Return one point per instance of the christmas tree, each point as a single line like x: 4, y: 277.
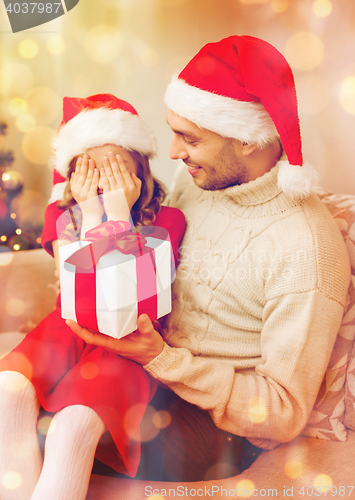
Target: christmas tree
x: 16, y: 233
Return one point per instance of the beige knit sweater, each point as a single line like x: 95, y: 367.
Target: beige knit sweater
x: 257, y: 303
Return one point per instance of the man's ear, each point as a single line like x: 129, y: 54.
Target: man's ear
x: 247, y: 149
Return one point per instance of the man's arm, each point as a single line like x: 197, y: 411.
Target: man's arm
x: 272, y: 403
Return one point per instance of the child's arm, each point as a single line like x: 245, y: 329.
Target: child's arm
x: 121, y: 189
x: 84, y: 183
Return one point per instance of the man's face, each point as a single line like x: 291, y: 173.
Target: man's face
x: 213, y: 161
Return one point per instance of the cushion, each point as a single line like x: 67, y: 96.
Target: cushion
x: 327, y: 418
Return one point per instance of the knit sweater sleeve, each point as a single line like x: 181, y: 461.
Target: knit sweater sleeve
x: 273, y: 403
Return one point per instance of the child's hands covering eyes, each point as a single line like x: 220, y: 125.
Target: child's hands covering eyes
x: 84, y: 183
x: 121, y: 189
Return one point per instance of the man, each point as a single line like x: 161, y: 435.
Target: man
x: 261, y: 286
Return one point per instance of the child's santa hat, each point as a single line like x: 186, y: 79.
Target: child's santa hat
x: 242, y: 87
x: 95, y: 121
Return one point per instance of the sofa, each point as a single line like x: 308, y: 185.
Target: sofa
x: 318, y: 463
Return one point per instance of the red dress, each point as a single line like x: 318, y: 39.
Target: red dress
x: 66, y: 371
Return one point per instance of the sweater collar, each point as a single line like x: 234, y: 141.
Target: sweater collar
x: 256, y: 192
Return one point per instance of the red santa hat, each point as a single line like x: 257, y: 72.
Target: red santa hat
x: 94, y: 121
x: 242, y: 87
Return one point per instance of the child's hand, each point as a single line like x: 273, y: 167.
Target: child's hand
x: 84, y: 184
x: 121, y: 189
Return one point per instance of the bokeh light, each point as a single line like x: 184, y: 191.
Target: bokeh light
x: 15, y: 80
x: 11, y: 480
x: 89, y: 370
x: 43, y: 104
x: 28, y: 48
x: 56, y: 45
x: 25, y: 367
x: 304, y: 51
x: 44, y: 424
x: 313, y: 94
x: 6, y: 255
x: 36, y: 145
x: 279, y: 5
x: 245, y: 488
x: 257, y: 411
x: 81, y: 85
x: 149, y: 56
x: 18, y: 106
x: 25, y: 123
x: 156, y: 497
x: 347, y: 94
x: 324, y: 482
x: 29, y: 206
x: 132, y: 421
x: 161, y: 419
x: 322, y: 8
x: 103, y: 44
x: 293, y: 469
x: 15, y: 307
x: 253, y: 1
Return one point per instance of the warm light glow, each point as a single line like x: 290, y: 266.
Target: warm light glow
x: 313, y: 94
x: 39, y: 240
x: 322, y: 8
x: 36, y: 145
x: 15, y: 307
x: 25, y: 367
x: 13, y: 216
x: 253, y: 1
x: 18, y: 231
x: 245, y: 488
x: 156, y: 497
x: 18, y: 106
x: 304, y: 51
x: 3, y: 238
x: 161, y: 419
x: 28, y: 49
x: 293, y: 469
x: 81, y: 84
x: 279, y: 5
x: 324, y: 482
x: 15, y: 80
x: 44, y: 424
x: 257, y: 411
x: 16, y: 247
x: 103, y: 44
x: 149, y: 57
x: 132, y: 421
x: 56, y: 45
x: 12, y: 480
x: 25, y: 123
x: 44, y: 105
x: 89, y: 370
x: 347, y: 94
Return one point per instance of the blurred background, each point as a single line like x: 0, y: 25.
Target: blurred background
x: 131, y: 48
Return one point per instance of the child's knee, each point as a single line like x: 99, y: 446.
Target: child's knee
x: 15, y: 387
x: 79, y: 421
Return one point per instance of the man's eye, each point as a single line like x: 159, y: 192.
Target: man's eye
x: 191, y: 142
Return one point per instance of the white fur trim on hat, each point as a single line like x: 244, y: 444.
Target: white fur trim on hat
x: 246, y: 121
x: 297, y: 181
x: 58, y: 192
x: 95, y: 127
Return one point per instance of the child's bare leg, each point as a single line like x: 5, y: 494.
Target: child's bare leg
x: 69, y: 454
x: 20, y: 455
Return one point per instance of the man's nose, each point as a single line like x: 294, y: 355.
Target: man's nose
x: 177, y: 150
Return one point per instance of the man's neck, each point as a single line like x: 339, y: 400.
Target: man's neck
x: 262, y: 160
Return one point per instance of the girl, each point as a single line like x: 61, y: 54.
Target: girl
x: 102, y: 147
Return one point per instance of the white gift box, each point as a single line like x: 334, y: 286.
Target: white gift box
x: 116, y: 286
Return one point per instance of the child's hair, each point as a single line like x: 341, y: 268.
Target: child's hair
x: 152, y: 195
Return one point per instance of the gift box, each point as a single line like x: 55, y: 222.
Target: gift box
x: 107, y: 283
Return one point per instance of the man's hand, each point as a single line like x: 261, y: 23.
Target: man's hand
x: 141, y: 346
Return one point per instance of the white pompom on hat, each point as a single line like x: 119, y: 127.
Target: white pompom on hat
x: 95, y: 121
x: 242, y: 87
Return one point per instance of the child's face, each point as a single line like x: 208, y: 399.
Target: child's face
x: 97, y: 154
